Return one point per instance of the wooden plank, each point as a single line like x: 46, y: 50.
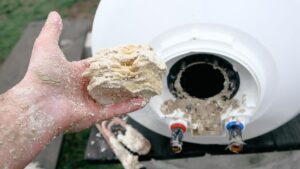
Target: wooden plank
x: 264, y: 143
x: 48, y: 158
x: 97, y: 148
x: 15, y: 66
x: 287, y: 137
x: 274, y: 160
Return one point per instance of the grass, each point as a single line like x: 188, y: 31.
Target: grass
x: 73, y: 150
x: 14, y: 17
x: 16, y: 14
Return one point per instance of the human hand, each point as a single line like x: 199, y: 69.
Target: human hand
x: 58, y: 84
x: 52, y: 98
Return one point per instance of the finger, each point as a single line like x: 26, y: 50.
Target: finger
x: 107, y: 112
x: 52, y: 29
x: 46, y: 44
x: 113, y: 110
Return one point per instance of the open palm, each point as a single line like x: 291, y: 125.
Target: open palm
x: 62, y: 88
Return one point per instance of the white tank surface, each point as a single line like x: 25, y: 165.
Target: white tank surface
x: 233, y: 66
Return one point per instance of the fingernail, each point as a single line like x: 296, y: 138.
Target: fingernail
x: 53, y: 16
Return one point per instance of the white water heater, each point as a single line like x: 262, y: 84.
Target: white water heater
x: 248, y: 51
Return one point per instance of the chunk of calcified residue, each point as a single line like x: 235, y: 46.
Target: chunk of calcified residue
x: 124, y: 72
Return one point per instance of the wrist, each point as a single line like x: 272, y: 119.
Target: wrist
x: 34, y: 118
x: 28, y: 123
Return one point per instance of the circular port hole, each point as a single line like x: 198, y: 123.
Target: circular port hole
x: 202, y: 81
x: 202, y: 75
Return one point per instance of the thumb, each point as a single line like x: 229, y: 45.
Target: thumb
x: 52, y: 29
x: 46, y: 44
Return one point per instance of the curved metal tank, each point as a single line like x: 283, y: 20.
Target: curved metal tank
x: 259, y: 39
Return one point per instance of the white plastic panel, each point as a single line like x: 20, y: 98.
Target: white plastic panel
x: 264, y: 37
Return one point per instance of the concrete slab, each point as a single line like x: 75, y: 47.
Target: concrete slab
x: 274, y: 160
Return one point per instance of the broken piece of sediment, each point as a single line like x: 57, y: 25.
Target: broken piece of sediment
x: 120, y: 73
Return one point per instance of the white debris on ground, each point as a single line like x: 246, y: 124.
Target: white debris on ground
x: 135, y: 141
x: 98, y: 135
x: 120, y: 142
x: 128, y: 160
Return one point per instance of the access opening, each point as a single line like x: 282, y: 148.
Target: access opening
x: 202, y: 80
x: 202, y: 75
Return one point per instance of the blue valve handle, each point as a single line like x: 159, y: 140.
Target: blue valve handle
x: 234, y: 124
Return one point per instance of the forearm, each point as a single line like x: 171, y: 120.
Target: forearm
x: 25, y: 125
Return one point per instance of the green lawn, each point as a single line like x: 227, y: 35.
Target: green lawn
x: 16, y: 14
x: 14, y: 17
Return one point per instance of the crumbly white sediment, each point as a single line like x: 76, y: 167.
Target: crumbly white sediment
x: 135, y: 141
x: 128, y: 160
x: 124, y: 72
x: 204, y: 115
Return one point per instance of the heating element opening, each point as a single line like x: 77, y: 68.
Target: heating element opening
x: 202, y: 80
x: 202, y: 75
